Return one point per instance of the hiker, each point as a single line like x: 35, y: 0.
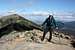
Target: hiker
x: 50, y: 24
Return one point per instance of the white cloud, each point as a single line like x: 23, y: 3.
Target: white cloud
x: 61, y: 16
x: 65, y: 16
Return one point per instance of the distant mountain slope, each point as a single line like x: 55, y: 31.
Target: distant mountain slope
x: 69, y: 27
x: 15, y: 18
x: 16, y: 22
x: 70, y: 24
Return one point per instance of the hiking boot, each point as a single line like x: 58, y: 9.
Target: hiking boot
x: 42, y: 39
x: 49, y: 40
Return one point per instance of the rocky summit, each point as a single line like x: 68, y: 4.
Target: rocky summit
x: 31, y: 40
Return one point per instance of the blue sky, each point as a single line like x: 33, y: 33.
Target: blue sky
x: 37, y: 5
x: 40, y: 6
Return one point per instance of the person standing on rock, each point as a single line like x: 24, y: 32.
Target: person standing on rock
x: 49, y: 24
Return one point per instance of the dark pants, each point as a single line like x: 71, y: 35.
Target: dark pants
x: 45, y: 32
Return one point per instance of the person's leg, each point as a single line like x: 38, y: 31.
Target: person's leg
x: 50, y: 37
x: 45, y: 32
x: 43, y: 36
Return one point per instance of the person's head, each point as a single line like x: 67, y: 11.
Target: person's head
x: 50, y: 16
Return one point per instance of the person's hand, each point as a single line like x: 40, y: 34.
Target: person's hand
x: 56, y: 27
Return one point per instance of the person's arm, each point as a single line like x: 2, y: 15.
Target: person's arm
x: 44, y: 22
x: 54, y: 22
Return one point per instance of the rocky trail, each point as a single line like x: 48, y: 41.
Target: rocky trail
x: 31, y: 40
